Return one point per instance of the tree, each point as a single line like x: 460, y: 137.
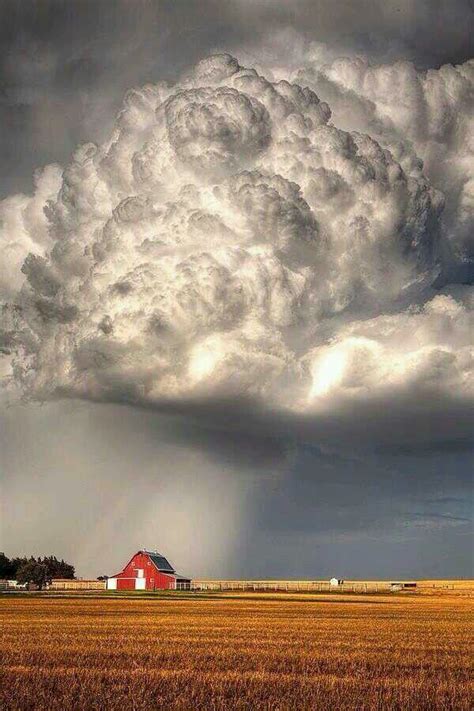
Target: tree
x: 18, y: 562
x: 54, y: 568
x: 58, y: 568
x: 7, y: 567
x: 33, y: 572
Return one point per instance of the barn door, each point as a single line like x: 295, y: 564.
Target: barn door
x: 140, y: 583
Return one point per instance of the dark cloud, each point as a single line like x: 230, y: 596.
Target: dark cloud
x: 360, y: 517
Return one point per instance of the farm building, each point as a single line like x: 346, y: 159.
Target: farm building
x: 148, y: 570
x: 73, y: 584
x: 402, y: 585
x: 11, y: 585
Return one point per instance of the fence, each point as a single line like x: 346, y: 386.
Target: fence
x: 77, y: 585
x: 289, y: 586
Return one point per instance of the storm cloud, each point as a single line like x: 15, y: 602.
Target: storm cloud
x: 229, y: 243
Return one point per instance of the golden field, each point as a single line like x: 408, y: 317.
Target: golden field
x: 262, y: 651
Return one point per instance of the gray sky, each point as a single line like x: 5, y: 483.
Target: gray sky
x: 222, y: 485
x: 95, y: 482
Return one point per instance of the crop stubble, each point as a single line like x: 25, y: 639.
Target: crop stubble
x: 236, y: 652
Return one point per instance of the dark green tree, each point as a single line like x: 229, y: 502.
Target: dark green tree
x: 33, y: 572
x: 55, y: 568
x: 7, y: 568
x: 58, y: 568
x: 17, y: 562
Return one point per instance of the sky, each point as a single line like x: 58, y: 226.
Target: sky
x: 236, y: 276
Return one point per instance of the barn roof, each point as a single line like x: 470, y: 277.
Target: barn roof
x: 159, y: 561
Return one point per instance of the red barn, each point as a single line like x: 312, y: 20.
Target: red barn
x: 147, y: 570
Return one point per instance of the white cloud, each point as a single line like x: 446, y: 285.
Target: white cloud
x: 420, y: 350
x: 424, y: 117
x: 24, y: 228
x: 228, y: 241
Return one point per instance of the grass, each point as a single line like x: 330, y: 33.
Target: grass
x: 235, y: 651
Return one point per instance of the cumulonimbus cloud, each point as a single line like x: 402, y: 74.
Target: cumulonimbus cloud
x: 422, y: 117
x: 230, y: 241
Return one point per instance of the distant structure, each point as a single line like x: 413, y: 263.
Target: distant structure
x: 76, y: 584
x: 148, y: 570
x: 402, y: 585
x: 12, y: 585
x: 335, y: 582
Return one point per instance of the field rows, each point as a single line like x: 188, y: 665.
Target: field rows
x: 248, y: 652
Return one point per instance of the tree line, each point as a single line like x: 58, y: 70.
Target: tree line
x: 38, y: 571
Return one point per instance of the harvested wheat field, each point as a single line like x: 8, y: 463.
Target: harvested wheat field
x: 236, y: 652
